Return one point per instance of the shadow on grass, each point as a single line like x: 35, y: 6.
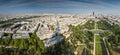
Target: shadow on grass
x: 103, y: 48
x: 83, y: 53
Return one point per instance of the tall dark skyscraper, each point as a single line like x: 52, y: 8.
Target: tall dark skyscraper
x: 93, y: 13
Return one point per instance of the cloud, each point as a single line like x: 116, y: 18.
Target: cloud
x: 49, y: 3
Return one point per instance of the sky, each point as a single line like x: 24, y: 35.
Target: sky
x: 59, y: 6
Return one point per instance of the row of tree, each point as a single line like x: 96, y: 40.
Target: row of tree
x: 29, y: 46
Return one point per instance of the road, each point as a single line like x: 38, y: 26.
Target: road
x: 16, y: 31
x: 106, y: 46
x: 94, y: 52
x: 8, y: 46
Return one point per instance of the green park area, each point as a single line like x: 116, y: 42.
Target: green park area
x: 29, y: 46
x: 111, y: 35
x: 85, y: 37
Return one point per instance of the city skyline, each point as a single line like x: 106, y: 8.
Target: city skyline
x: 59, y: 6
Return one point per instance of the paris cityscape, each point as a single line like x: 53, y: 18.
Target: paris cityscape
x: 26, y: 29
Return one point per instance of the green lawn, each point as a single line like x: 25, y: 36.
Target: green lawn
x: 98, y: 38
x: 98, y: 45
x: 98, y: 49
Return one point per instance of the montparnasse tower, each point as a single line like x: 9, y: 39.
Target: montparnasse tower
x: 93, y: 13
